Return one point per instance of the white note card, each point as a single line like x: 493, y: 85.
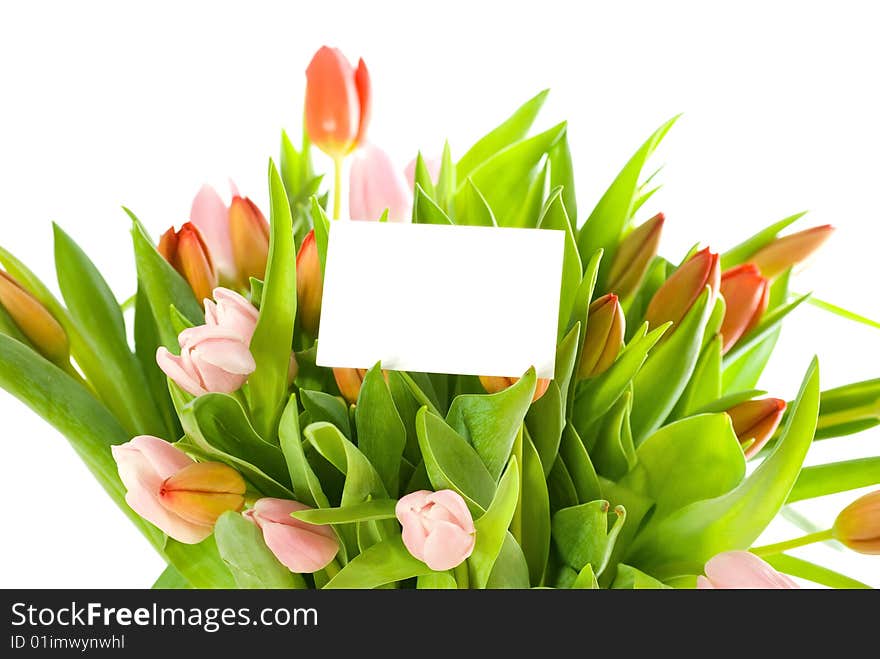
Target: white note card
x: 441, y: 299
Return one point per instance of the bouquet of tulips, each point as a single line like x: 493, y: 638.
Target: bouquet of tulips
x: 247, y: 465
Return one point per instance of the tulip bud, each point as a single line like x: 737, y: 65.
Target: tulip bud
x: 188, y: 253
x: 349, y: 381
x: 249, y: 233
x: 202, y: 491
x: 785, y: 252
x: 34, y: 320
x: 337, y: 104
x: 746, y: 294
x: 634, y: 255
x: 604, y: 336
x: 438, y: 528
x: 677, y: 295
x: 755, y: 421
x: 493, y: 384
x: 309, y: 285
x: 858, y: 525
x: 742, y: 570
x: 300, y: 546
x: 375, y: 185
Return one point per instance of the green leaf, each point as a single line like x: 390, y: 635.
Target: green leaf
x: 359, y: 512
x: 704, y: 387
x: 170, y: 579
x: 527, y: 212
x: 422, y: 179
x: 407, y: 407
x: 802, y: 569
x: 584, y: 295
x: 609, y: 218
x: 271, y: 344
x: 586, y: 579
x: 746, y: 249
x: 252, y: 564
x: 582, y: 537
x: 562, y: 174
x: 474, y: 209
x: 324, y: 407
x: 426, y: 210
x: 510, y: 569
x: 693, y: 459
x: 490, y: 422
x: 452, y: 463
x: 566, y: 358
x: 9, y: 328
x: 491, y: 527
x: 613, y: 452
x: 767, y: 325
x: 545, y: 421
x: 724, y: 403
x: 819, y: 480
x: 381, y: 433
x: 322, y: 231
x: 514, y: 128
x: 162, y: 286
x: 306, y: 485
x: 535, y: 512
x: 446, y: 183
x: 682, y: 542
x: 554, y: 216
x: 629, y: 578
x: 849, y: 409
x: 384, y: 563
x: 560, y: 488
x: 579, y: 466
x: 666, y: 372
x: 843, y: 313
x: 199, y: 564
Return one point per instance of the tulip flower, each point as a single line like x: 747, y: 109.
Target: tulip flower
x: 755, y: 421
x: 249, y: 233
x: 677, y: 295
x: 375, y: 185
x: 493, y: 384
x: 231, y: 311
x: 858, y: 525
x: 211, y: 216
x: 604, y: 336
x: 437, y: 528
x: 433, y: 164
x: 337, y: 108
x: 741, y: 569
x: 300, y: 546
x: 633, y: 257
x: 746, y: 294
x: 790, y: 250
x: 188, y: 253
x: 309, y: 284
x: 35, y: 322
x: 166, y: 487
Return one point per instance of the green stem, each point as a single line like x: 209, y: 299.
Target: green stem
x: 332, y: 569
x: 337, y: 187
x: 779, y: 547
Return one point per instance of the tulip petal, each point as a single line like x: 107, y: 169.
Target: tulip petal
x: 172, y: 366
x: 299, y: 549
x: 454, y: 503
x: 332, y: 105
x: 365, y: 93
x: 742, y: 569
x: 231, y: 356
x: 447, y: 546
x: 163, y: 457
x: 209, y: 214
x: 375, y: 185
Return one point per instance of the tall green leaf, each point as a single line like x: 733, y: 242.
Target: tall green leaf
x: 381, y: 433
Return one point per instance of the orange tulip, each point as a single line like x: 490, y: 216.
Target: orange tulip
x: 634, y: 256
x: 858, y: 525
x: 785, y: 252
x: 493, y: 384
x: 249, y: 232
x: 309, y: 284
x: 746, y: 294
x: 337, y: 102
x: 604, y: 336
x: 34, y: 320
x: 755, y: 421
x: 187, y: 251
x: 678, y: 293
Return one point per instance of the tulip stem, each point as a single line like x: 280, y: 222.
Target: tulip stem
x: 779, y: 547
x: 337, y: 187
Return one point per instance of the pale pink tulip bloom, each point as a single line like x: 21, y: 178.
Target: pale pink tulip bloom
x: 375, y: 184
x: 211, y: 215
x: 742, y: 569
x: 231, y: 311
x: 300, y: 546
x: 437, y: 527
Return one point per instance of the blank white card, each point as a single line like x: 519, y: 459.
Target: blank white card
x: 441, y: 299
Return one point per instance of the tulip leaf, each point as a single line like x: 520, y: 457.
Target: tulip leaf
x: 171, y: 579
x: 528, y: 211
x: 452, y: 463
x: 273, y: 336
x: 321, y: 224
x: 746, y: 249
x: 704, y: 387
x: 491, y: 527
x: 682, y: 542
x: 843, y: 313
x: 10, y: 329
x: 819, y: 480
x: 505, y: 176
x: 769, y: 322
x: 689, y: 460
x: 584, y: 295
x: 667, y: 370
x: 490, y: 422
x: 510, y: 569
x: 612, y: 450
x: 609, y: 218
x: 579, y: 466
x: 849, y: 409
x: 566, y: 359
x: 380, y: 430
x: 322, y: 406
x: 200, y: 564
x: 359, y: 512
x: 446, y: 183
x: 252, y: 564
x: 802, y: 569
x: 629, y: 578
x: 586, y: 579
x: 407, y: 407
x: 162, y: 286
x: 384, y: 563
x: 436, y: 581
x: 426, y: 210
x: 534, y: 512
x: 514, y: 128
x: 545, y: 421
x: 562, y: 175
x: 474, y: 209
x: 554, y: 216
x: 306, y: 486
x: 422, y: 179
x: 560, y: 488
x: 724, y: 403
x: 581, y: 534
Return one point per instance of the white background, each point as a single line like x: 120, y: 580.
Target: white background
x: 109, y: 103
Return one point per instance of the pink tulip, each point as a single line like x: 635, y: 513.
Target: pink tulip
x: 433, y: 165
x: 375, y: 184
x: 741, y: 569
x: 182, y: 497
x: 211, y: 215
x: 300, y: 546
x: 437, y: 527
x: 231, y: 311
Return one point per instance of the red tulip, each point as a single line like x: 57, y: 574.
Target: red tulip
x: 746, y: 294
x: 35, y: 321
x: 785, y: 252
x: 678, y: 293
x: 187, y: 251
x: 493, y: 384
x: 603, y: 340
x: 249, y: 232
x: 309, y: 285
x: 755, y: 421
